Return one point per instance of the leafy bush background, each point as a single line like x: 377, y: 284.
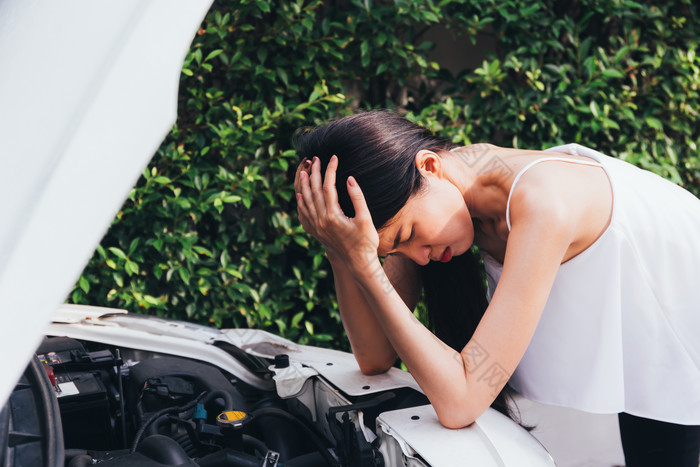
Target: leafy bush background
x: 210, y: 233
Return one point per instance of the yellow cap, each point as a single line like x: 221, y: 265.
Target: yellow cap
x: 234, y: 418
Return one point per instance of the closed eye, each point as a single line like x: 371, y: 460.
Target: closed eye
x: 398, y: 241
x: 410, y: 237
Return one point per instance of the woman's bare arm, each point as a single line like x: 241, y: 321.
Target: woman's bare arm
x: 370, y: 346
x: 373, y: 351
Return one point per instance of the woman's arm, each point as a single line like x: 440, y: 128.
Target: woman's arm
x: 370, y: 346
x: 373, y: 351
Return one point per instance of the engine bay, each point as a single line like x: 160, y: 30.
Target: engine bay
x: 84, y: 403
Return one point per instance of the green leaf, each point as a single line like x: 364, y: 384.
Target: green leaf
x: 309, y: 327
x: 212, y: 54
x: 262, y: 54
x: 315, y: 94
x: 84, y: 284
x: 131, y: 267
x: 133, y: 245
x: 654, y: 123
x: 235, y: 273
x: 296, y: 319
x: 264, y: 6
x: 184, y: 275
x: 301, y: 241
x: 117, y: 252
x: 77, y: 296
x: 613, y: 74
x: 158, y: 244
x: 364, y: 53
x: 203, y: 251
x: 283, y: 76
x: 610, y: 123
x: 430, y: 16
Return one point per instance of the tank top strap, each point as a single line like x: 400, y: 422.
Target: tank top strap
x: 524, y: 169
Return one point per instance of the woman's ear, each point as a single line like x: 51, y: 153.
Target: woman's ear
x: 428, y: 163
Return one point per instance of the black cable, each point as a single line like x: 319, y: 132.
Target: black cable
x: 160, y: 413
x: 121, y: 399
x: 315, y: 439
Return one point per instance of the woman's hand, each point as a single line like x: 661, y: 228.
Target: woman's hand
x: 305, y: 167
x: 354, y: 240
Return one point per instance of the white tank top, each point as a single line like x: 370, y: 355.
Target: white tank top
x: 620, y: 331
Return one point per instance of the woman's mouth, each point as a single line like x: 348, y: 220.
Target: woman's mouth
x: 446, y: 255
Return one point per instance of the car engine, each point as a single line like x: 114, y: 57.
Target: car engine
x: 83, y: 403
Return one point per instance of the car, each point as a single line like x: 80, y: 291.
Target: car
x: 87, y: 385
x: 124, y: 389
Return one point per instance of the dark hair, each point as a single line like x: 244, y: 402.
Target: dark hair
x: 378, y: 148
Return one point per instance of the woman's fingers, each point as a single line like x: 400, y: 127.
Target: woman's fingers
x: 329, y: 190
x: 303, y: 167
x: 358, y: 200
x: 301, y: 208
x: 317, y: 187
x: 304, y: 215
x: 307, y: 195
x: 300, y: 167
x: 363, y: 221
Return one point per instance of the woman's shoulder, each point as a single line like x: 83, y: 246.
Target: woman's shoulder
x: 576, y: 197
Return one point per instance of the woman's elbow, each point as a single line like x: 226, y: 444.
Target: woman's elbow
x: 373, y: 370
x: 374, y: 367
x: 455, y: 418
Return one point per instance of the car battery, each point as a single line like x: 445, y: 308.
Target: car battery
x: 83, y: 390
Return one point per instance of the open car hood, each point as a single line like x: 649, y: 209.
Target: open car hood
x: 87, y: 93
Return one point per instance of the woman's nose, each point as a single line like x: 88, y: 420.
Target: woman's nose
x: 420, y: 254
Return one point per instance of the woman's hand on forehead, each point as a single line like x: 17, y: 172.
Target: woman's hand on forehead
x: 355, y: 239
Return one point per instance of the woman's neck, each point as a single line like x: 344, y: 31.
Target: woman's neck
x: 483, y: 174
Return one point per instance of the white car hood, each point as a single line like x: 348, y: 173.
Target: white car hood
x: 88, y: 90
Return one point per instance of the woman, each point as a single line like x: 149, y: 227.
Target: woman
x: 592, y: 266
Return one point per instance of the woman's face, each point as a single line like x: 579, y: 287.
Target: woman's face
x: 433, y: 225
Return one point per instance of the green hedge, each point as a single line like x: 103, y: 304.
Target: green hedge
x: 210, y: 233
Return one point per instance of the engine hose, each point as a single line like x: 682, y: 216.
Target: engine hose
x: 255, y: 443
x: 315, y: 439
x: 156, y: 425
x: 228, y: 399
x: 160, y: 413
x: 183, y: 439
